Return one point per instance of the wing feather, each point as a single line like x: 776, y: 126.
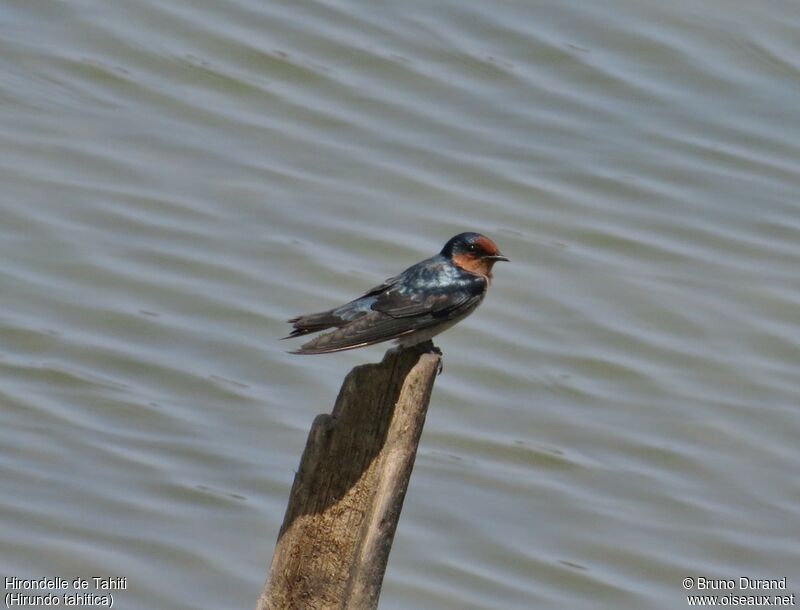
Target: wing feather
x: 371, y: 328
x: 392, y: 319
x: 402, y: 301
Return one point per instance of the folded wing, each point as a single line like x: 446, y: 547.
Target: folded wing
x: 398, y: 311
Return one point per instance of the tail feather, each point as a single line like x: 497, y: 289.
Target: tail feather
x: 313, y: 322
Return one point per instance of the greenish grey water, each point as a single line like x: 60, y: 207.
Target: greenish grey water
x: 179, y: 178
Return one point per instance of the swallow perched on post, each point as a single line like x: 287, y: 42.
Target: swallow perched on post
x: 412, y: 307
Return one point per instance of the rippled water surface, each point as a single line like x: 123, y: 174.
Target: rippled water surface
x: 178, y: 178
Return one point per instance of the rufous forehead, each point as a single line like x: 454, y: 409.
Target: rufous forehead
x: 487, y: 245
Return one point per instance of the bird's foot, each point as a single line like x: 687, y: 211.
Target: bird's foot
x: 426, y: 347
x: 438, y: 352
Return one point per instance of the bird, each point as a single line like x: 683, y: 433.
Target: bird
x: 411, y: 307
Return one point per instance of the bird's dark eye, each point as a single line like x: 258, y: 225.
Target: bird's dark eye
x: 472, y: 248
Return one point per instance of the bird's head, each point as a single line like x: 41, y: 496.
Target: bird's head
x: 473, y: 252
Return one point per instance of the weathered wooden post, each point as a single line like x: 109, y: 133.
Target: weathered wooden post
x: 348, y: 492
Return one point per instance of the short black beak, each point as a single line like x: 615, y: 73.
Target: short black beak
x: 497, y: 257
